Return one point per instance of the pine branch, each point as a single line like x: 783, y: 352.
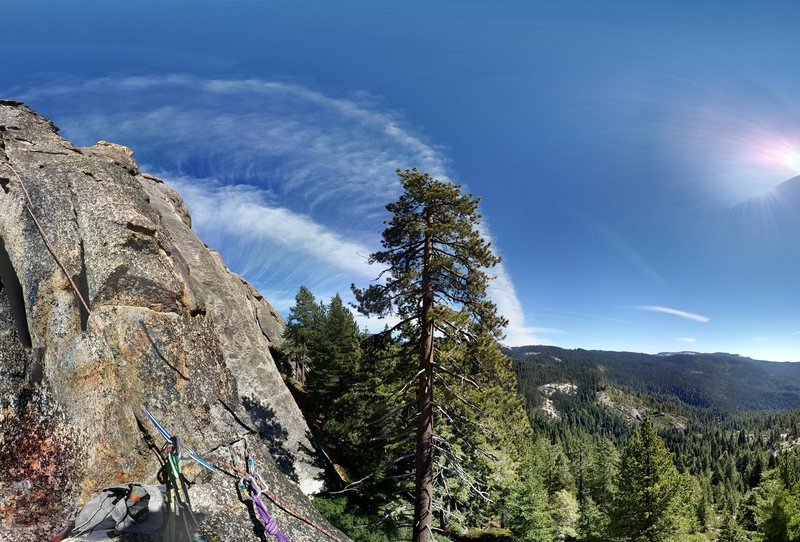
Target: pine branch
x: 461, y: 377
x: 391, y: 413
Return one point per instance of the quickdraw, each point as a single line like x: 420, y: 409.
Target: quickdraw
x: 191, y: 453
x: 237, y: 473
x: 178, y: 502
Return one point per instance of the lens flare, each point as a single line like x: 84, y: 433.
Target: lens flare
x: 792, y: 161
x: 779, y: 155
x: 734, y: 147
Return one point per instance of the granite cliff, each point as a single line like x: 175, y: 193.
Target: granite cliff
x: 168, y: 327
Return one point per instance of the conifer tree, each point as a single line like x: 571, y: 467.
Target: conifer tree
x: 337, y: 362
x: 322, y: 345
x: 604, y: 475
x: 557, y: 474
x: 592, y: 523
x: 778, y: 500
x: 435, y: 281
x: 652, y: 499
x: 485, y: 426
x: 302, y: 329
x: 565, y: 511
x: 527, y: 508
x: 730, y: 531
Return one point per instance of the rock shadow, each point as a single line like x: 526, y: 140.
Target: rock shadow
x: 270, y: 429
x: 9, y: 281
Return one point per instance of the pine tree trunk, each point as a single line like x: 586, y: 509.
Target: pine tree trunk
x: 424, y: 458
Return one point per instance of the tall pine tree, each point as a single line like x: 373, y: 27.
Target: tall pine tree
x: 435, y: 281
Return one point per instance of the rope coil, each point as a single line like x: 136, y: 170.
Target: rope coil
x: 254, y: 491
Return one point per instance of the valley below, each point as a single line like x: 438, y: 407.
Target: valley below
x: 731, y: 425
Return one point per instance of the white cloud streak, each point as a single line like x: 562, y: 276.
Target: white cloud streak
x: 241, y: 211
x: 577, y: 316
x: 287, y: 182
x: 674, y: 312
x: 687, y: 340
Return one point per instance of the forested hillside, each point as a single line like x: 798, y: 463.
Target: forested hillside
x: 729, y: 423
x: 725, y: 382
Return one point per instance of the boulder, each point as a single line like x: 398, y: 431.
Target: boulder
x: 168, y: 328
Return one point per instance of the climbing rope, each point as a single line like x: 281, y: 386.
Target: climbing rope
x: 252, y: 483
x: 250, y: 478
x: 48, y: 244
x: 54, y: 253
x: 236, y: 472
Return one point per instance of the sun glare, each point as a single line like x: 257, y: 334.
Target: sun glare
x: 778, y: 154
x: 792, y: 160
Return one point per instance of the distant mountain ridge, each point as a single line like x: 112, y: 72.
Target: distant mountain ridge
x: 728, y: 382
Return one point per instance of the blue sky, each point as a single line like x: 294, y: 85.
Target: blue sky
x: 627, y: 152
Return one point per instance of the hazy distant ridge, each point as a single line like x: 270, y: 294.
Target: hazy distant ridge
x: 719, y: 380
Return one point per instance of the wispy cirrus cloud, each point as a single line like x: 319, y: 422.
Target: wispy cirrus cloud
x: 687, y: 340
x: 674, y: 312
x: 243, y: 214
x: 287, y: 182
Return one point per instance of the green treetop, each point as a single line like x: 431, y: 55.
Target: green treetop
x: 652, y: 499
x: 302, y: 330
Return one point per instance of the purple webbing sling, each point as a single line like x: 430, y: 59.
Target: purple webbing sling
x: 270, y: 525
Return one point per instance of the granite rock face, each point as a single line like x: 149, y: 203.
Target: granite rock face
x: 171, y: 329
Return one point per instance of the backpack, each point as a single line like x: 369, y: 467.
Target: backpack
x: 130, y: 508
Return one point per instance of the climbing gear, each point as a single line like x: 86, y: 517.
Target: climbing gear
x: 192, y: 454
x: 130, y: 508
x: 237, y: 473
x: 179, y: 506
x: 176, y: 505
x: 252, y: 483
